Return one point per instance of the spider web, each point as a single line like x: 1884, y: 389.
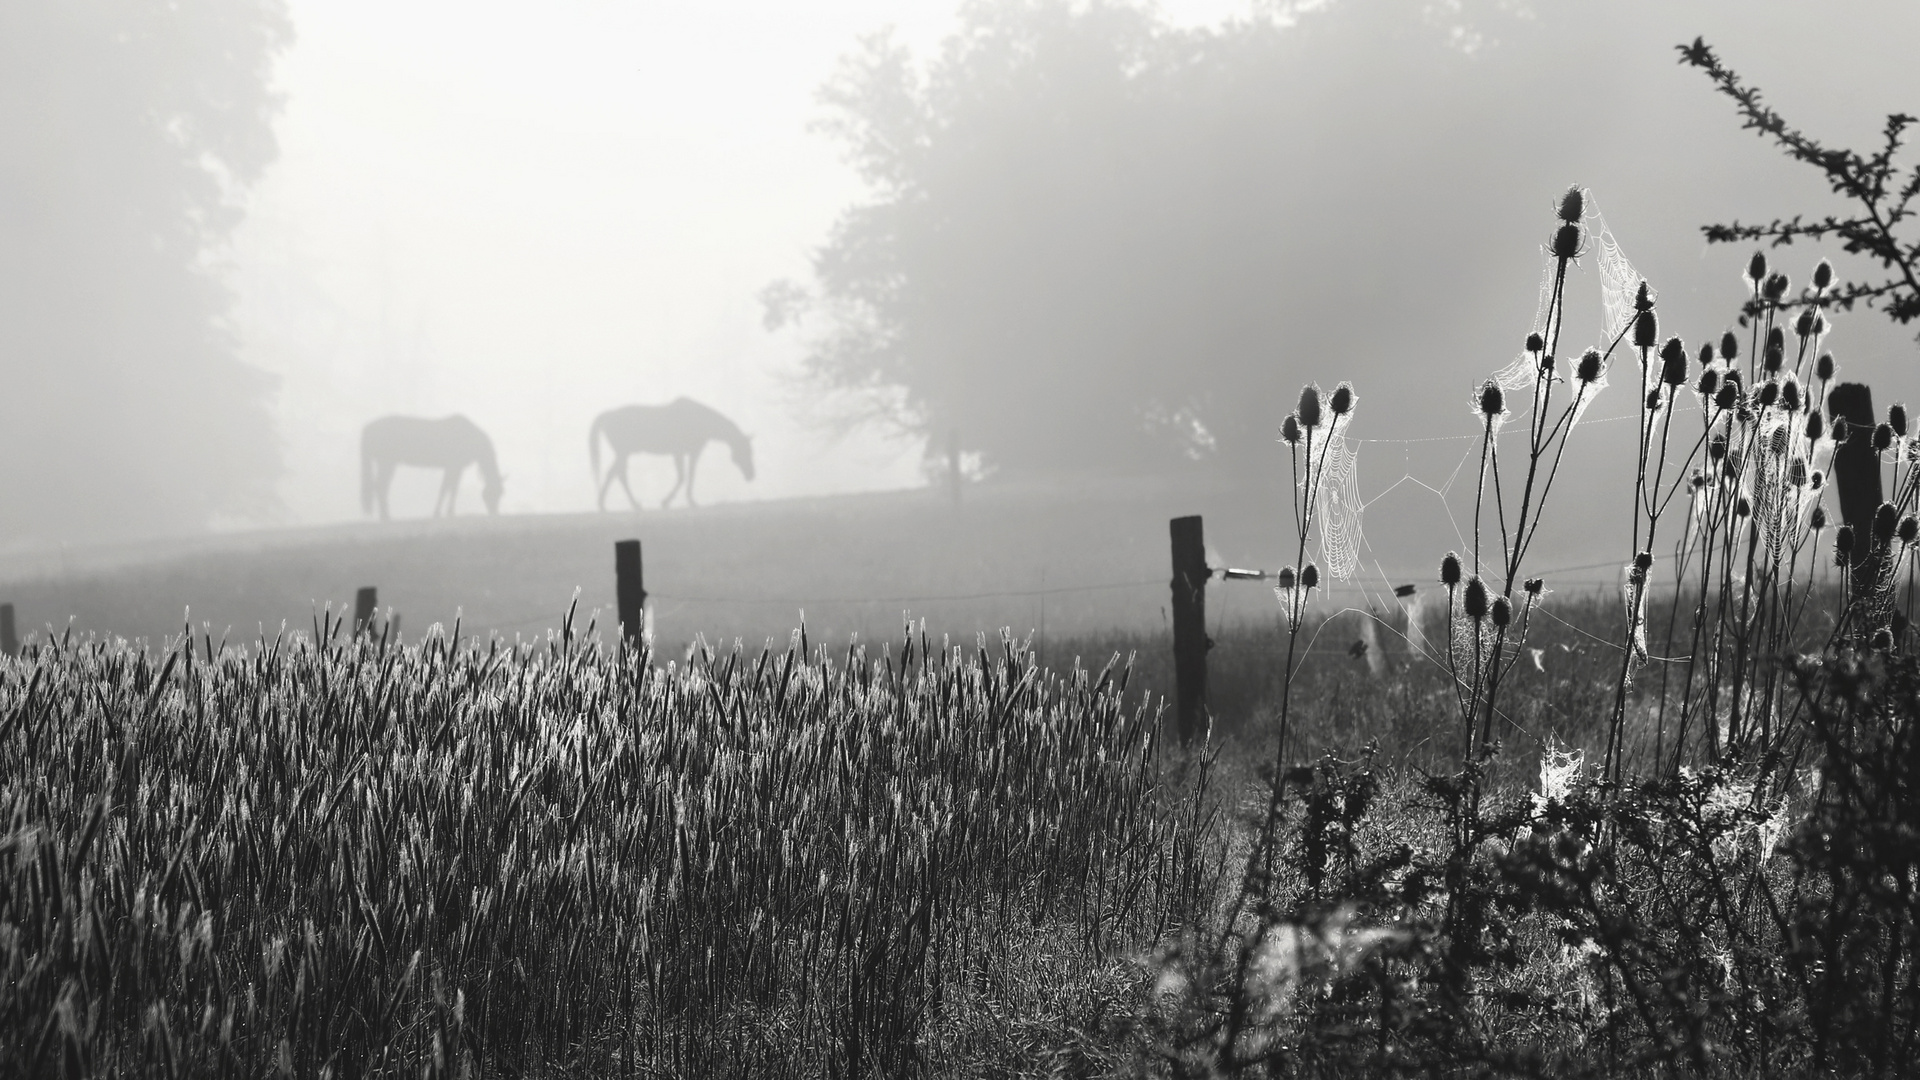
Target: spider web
x: 1619, y: 281
x: 1338, y: 507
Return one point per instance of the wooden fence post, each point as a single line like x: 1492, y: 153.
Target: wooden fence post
x: 9, y: 644
x: 364, y: 602
x: 1856, y: 471
x: 630, y: 594
x: 1190, y: 642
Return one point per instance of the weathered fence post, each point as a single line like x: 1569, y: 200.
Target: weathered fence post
x: 1856, y: 472
x: 9, y: 644
x: 364, y: 602
x: 630, y: 594
x: 1190, y: 642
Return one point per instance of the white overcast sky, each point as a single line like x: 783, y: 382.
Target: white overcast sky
x: 531, y: 212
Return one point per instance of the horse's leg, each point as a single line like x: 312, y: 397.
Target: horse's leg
x: 605, y: 483
x: 453, y: 486
x: 382, y: 484
x: 626, y: 487
x: 693, y: 466
x: 679, y: 478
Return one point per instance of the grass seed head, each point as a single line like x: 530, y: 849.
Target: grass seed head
x: 1566, y: 242
x: 1474, y: 603
x: 1573, y: 204
x: 1342, y: 400
x: 1309, y: 410
x: 1885, y: 520
x: 1590, y: 367
x: 1673, y: 362
x: 1493, y: 400
x: 1775, y: 351
x: 1646, y: 329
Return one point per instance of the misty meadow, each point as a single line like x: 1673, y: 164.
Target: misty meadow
x: 1145, y: 541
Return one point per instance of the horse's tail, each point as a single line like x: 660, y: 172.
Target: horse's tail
x: 593, y: 444
x: 367, y: 481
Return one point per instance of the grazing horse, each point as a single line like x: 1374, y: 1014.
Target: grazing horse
x: 451, y: 443
x: 681, y: 428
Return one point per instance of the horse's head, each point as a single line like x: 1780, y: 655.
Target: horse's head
x: 743, y: 455
x: 490, y: 492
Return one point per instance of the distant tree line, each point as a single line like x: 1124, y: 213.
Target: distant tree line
x: 132, y: 130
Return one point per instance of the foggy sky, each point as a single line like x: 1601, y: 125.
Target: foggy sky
x: 531, y: 219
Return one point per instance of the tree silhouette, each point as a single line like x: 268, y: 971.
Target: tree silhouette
x: 1882, y: 199
x: 133, y: 129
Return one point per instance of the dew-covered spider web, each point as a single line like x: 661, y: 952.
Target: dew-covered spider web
x: 1338, y: 507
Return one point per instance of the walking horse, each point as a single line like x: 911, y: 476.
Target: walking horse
x: 450, y: 443
x: 681, y: 428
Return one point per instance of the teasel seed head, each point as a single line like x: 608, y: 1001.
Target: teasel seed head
x: 1286, y: 578
x: 1309, y: 576
x: 1643, y: 562
x: 1882, y: 438
x: 1822, y: 274
x: 1897, y: 419
x: 1819, y: 518
x: 1757, y: 268
x: 1646, y: 329
x: 1843, y: 543
x: 1768, y: 393
x: 1673, y: 362
x: 1909, y: 529
x: 1790, y: 394
x: 1566, y: 242
x: 1883, y: 640
x: 1842, y: 431
x: 1290, y: 430
x: 1823, y: 367
x: 1474, y: 603
x: 1817, y: 480
x: 1819, y: 324
x: 1775, y: 351
x: 1706, y: 354
x: 1885, y: 520
x: 1742, y: 507
x: 1502, y: 612
x: 1309, y: 410
x: 1534, y: 585
x: 1493, y: 400
x: 1816, y: 425
x: 1729, y: 347
x: 1588, y: 371
x: 1709, y: 383
x: 1717, y: 447
x: 1342, y: 400
x: 1803, y: 326
x: 1535, y: 343
x: 1450, y: 570
x: 1653, y: 400
x: 1727, y: 396
x: 1643, y: 297
x: 1777, y: 286
x: 1573, y: 204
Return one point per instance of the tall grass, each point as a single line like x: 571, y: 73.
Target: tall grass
x: 332, y: 859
